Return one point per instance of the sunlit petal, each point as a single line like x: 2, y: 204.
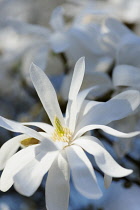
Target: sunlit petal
x: 82, y: 172
x: 57, y: 185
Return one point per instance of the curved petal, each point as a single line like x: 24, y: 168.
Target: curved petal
x: 9, y: 148
x: 57, y: 185
x: 18, y: 127
x: 14, y: 165
x: 117, y: 108
x: 44, y: 126
x: 82, y: 172
x: 46, y: 93
x: 103, y: 159
x: 106, y: 129
x: 125, y: 75
x: 33, y: 173
x: 107, y: 181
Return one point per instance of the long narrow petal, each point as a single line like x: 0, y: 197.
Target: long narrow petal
x: 9, y: 148
x: 33, y: 173
x: 103, y: 159
x: 126, y: 75
x: 107, y: 181
x: 82, y: 172
x: 106, y: 129
x: 14, y: 165
x: 46, y: 93
x: 44, y: 126
x: 57, y: 185
x: 18, y: 127
x: 117, y: 108
x: 76, y: 82
x: 77, y: 78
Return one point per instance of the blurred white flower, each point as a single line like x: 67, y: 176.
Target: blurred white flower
x: 83, y: 37
x: 124, y: 43
x: 126, y: 10
x: 61, y: 147
x: 124, y: 77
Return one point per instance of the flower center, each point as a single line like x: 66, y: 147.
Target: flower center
x: 61, y: 133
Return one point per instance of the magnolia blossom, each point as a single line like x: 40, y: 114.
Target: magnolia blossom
x: 123, y: 43
x: 60, y: 148
x: 81, y: 37
x: 124, y: 77
x: 126, y: 10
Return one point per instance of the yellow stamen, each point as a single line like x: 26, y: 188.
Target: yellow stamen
x: 58, y: 127
x: 60, y: 133
x: 29, y: 142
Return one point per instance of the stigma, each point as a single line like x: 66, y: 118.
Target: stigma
x: 61, y: 133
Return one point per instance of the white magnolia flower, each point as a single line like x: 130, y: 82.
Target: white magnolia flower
x: 124, y: 43
x: 126, y: 10
x: 61, y: 147
x: 124, y: 77
x: 82, y: 37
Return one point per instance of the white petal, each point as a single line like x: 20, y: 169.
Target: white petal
x: 44, y: 126
x: 117, y: 108
x: 107, y: 181
x: 79, y: 71
x: 18, y: 127
x: 82, y: 172
x: 46, y: 93
x: 33, y: 173
x: 103, y: 159
x: 76, y: 106
x: 57, y: 185
x: 9, y: 148
x: 125, y: 75
x: 14, y: 165
x: 86, y: 107
x: 57, y: 21
x: 77, y: 78
x: 106, y: 129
